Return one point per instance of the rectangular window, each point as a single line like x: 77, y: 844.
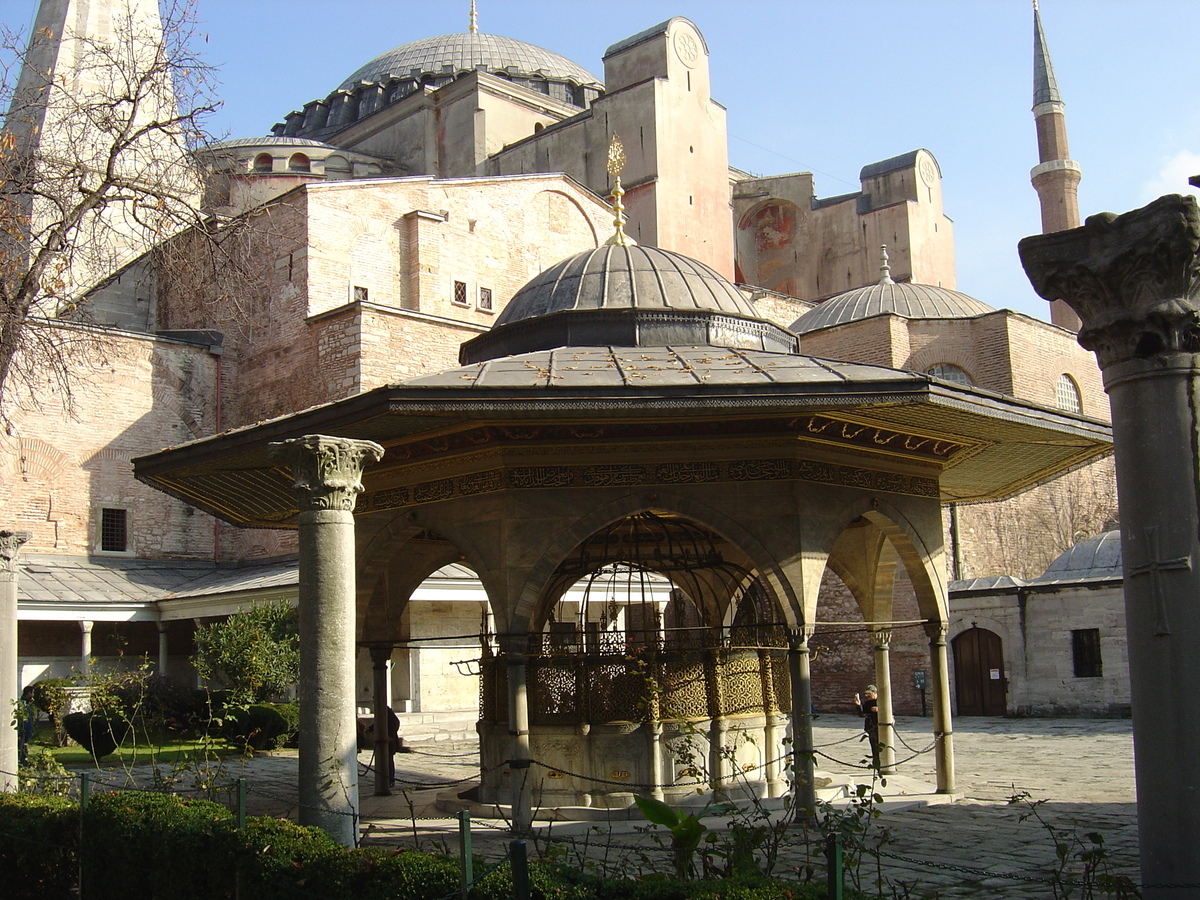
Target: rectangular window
x: 360, y: 294
x: 460, y: 293
x: 114, y: 537
x: 485, y: 299
x: 1085, y: 648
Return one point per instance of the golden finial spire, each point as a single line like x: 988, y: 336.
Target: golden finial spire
x: 616, y: 164
x: 474, y: 19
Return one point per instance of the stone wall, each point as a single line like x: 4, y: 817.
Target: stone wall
x: 59, y: 467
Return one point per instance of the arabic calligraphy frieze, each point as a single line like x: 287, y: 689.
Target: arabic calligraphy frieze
x: 633, y: 475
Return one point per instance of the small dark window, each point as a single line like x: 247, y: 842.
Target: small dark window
x: 114, y: 535
x: 1085, y: 648
x: 460, y: 293
x: 485, y: 299
x: 360, y: 294
x: 264, y: 162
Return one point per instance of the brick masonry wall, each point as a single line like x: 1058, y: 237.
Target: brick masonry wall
x: 843, y: 659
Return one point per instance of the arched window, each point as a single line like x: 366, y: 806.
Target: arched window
x: 336, y: 168
x: 1066, y: 394
x: 264, y: 162
x: 950, y: 372
x: 299, y: 163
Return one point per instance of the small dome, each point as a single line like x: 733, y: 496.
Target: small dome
x: 1092, y: 558
x: 454, y: 53
x: 909, y: 301
x: 627, y: 296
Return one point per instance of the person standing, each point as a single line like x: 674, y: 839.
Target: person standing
x: 25, y: 718
x: 868, y: 708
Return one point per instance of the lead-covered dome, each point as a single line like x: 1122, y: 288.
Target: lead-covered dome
x: 909, y: 301
x: 455, y: 53
x: 1094, y: 558
x: 627, y: 296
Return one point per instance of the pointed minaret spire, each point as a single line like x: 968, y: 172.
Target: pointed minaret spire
x: 1056, y: 176
x: 474, y: 19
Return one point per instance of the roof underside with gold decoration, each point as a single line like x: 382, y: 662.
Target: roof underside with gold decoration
x: 597, y: 416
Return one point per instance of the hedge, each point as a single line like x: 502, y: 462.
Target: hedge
x: 163, y: 846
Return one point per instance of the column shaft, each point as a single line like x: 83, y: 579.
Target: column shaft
x: 943, y: 730
x: 803, y: 761
x: 10, y: 547
x: 518, y: 729
x: 887, y: 722
x: 381, y: 654
x: 328, y: 771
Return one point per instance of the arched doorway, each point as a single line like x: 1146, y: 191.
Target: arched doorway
x: 979, y: 673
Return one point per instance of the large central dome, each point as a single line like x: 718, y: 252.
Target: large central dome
x: 450, y: 54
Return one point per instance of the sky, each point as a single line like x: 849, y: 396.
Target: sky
x: 824, y: 86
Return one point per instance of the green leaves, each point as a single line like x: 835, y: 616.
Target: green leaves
x: 256, y: 652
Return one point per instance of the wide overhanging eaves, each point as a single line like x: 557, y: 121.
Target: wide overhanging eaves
x: 1010, y: 444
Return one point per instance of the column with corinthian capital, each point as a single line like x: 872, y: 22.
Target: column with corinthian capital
x: 10, y: 548
x: 1134, y: 281
x: 327, y: 472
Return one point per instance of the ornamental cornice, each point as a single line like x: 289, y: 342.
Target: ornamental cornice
x: 1133, y: 280
x: 327, y: 471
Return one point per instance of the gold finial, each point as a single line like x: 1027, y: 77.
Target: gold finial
x: 474, y: 19
x: 616, y: 164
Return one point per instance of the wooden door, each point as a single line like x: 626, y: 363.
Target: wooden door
x: 979, y: 673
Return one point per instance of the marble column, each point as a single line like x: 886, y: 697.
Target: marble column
x: 1134, y: 281
x: 883, y: 680
x: 163, y: 647
x: 327, y: 473
x: 10, y: 548
x: 85, y: 646
x: 520, y: 774
x: 803, y: 754
x: 943, y: 730
x: 381, y: 655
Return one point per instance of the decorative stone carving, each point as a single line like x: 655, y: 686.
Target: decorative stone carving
x: 1133, y: 279
x: 10, y: 547
x: 327, y: 470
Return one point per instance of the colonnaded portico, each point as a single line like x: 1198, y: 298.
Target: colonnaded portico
x: 630, y: 413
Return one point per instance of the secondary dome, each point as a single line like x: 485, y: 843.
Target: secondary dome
x: 627, y: 296
x: 450, y: 54
x: 1097, y: 557
x: 909, y: 301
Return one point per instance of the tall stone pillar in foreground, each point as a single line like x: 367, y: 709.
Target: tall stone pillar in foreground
x: 327, y: 473
x: 10, y: 548
x: 1135, y: 283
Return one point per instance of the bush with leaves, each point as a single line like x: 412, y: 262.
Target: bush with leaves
x: 256, y: 653
x: 50, y: 696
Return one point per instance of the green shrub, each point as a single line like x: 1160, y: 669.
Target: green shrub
x: 39, y: 840
x: 41, y: 773
x: 261, y: 726
x: 100, y: 733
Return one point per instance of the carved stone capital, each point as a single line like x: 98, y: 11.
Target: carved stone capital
x: 10, y: 547
x: 881, y: 638
x: 799, y: 637
x: 1133, y: 279
x: 327, y: 470
x: 936, y: 632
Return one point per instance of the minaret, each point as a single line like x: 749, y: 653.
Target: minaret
x: 1056, y: 176
x: 84, y: 58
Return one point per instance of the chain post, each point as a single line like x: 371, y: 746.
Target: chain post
x: 520, y: 870
x: 464, y: 850
x: 241, y: 804
x: 833, y: 867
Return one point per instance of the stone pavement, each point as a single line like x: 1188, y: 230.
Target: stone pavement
x: 1081, y: 769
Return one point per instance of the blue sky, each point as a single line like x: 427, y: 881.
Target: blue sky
x: 825, y: 86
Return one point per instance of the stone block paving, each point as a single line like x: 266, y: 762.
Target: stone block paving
x: 1082, y: 770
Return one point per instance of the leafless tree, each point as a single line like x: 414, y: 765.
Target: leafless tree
x: 95, y: 170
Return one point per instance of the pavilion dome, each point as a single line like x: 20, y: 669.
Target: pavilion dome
x: 627, y: 296
x: 451, y: 54
x: 1097, y: 557
x: 909, y: 301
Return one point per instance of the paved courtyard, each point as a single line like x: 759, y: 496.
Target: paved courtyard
x: 976, y: 847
